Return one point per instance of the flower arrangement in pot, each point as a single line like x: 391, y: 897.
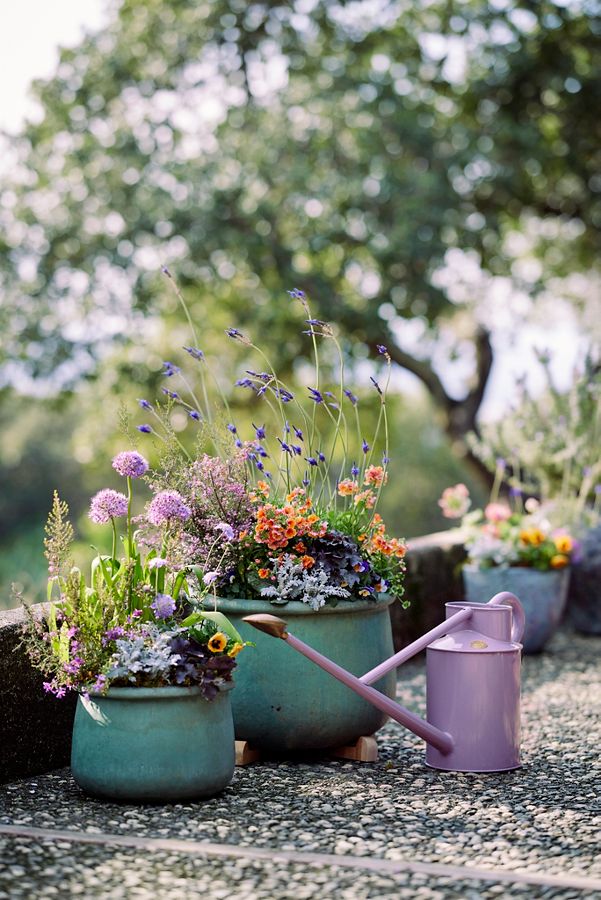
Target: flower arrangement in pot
x: 152, y: 670
x: 514, y: 548
x: 298, y: 491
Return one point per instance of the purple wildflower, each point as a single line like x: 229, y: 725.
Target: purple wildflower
x: 501, y: 464
x: 73, y: 667
x: 515, y: 492
x: 296, y: 294
x: 157, y: 563
x: 48, y: 687
x: 385, y: 459
x: 354, y: 470
x: 144, y: 404
x: 232, y: 428
x: 238, y: 443
x: 262, y: 376
x: 261, y: 451
x: 163, y: 606
x: 259, y: 431
x: 306, y: 482
x: 285, y: 446
x: 284, y: 395
x: 381, y: 349
x: 259, y: 465
x: 311, y: 460
x: 194, y: 414
x: 145, y: 429
x: 99, y: 684
x: 171, y: 394
x: 169, y: 369
x: 245, y: 382
x: 210, y: 577
x: 298, y: 433
x: 316, y: 395
x: 598, y: 489
x: 107, y: 505
x: 195, y: 352
x: 351, y: 396
x: 232, y: 332
x: 298, y: 450
x: 111, y: 634
x: 365, y: 446
x: 315, y: 322
x: 166, y: 506
x: 321, y: 456
x: 226, y: 530
x: 130, y: 464
x: 375, y: 384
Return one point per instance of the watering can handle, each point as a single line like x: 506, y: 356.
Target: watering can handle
x: 506, y: 598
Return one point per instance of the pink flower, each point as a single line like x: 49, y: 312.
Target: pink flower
x: 106, y: 505
x: 497, y: 512
x: 166, y: 506
x: 130, y: 464
x: 455, y: 501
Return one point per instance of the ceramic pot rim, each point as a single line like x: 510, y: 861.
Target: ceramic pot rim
x: 298, y: 608
x: 526, y: 570
x: 169, y: 692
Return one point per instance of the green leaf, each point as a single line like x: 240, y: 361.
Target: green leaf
x: 222, y: 622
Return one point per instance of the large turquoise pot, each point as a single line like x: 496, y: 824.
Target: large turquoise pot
x: 285, y: 702
x: 542, y: 594
x: 153, y: 744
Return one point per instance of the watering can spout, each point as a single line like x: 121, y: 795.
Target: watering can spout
x: 269, y: 624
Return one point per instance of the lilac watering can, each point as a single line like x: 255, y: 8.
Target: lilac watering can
x: 472, y: 683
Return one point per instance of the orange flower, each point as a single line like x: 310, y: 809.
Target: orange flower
x: 532, y: 536
x: 263, y: 487
x: 308, y: 562
x: 559, y: 561
x: 347, y: 487
x: 375, y: 475
x: 235, y: 650
x: 300, y: 547
x: 366, y: 497
x: 217, y: 643
x: 264, y: 573
x: 564, y: 543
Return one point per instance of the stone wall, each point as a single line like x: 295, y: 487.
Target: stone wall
x: 35, y: 728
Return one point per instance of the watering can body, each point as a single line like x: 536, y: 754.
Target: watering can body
x: 473, y: 690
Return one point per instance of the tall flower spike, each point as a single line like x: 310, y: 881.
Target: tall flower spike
x: 170, y: 369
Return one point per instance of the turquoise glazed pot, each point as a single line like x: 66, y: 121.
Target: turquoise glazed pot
x: 542, y: 594
x: 284, y: 702
x: 153, y: 744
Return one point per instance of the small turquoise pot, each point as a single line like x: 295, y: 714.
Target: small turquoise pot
x: 283, y: 702
x: 153, y: 744
x: 542, y: 594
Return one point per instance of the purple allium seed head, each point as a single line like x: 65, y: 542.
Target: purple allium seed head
x: 163, y: 606
x: 166, y: 506
x: 107, y: 505
x: 130, y: 464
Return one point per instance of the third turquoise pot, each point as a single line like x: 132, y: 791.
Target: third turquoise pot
x: 542, y: 594
x: 283, y: 701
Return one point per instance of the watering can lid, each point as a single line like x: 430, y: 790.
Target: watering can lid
x: 468, y: 641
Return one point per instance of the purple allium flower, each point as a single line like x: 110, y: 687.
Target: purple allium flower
x: 163, y: 606
x: 107, y: 505
x: 316, y: 395
x: 145, y: 429
x: 354, y: 470
x: 144, y: 404
x: 157, y: 563
x: 298, y: 433
x: 169, y: 369
x: 226, y: 530
x: 130, y: 464
x: 351, y: 396
x: 173, y: 395
x: 194, y: 415
x: 195, y: 352
x: 375, y: 384
x: 167, y: 505
x: 381, y: 349
x: 210, y: 577
x: 311, y: 460
x: 365, y: 446
x: 259, y: 431
x: 232, y: 428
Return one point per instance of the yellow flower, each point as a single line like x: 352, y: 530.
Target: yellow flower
x: 235, y: 650
x: 217, y: 643
x: 559, y: 561
x: 532, y: 536
x: 564, y: 543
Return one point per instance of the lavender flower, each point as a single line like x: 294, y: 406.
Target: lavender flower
x: 351, y: 396
x: 354, y: 470
x: 232, y: 428
x: 321, y: 456
x: 298, y: 450
x: 163, y: 606
x: 195, y: 352
x: 311, y: 460
x: 315, y: 322
x: 145, y: 429
x: 130, y: 464
x: 194, y: 415
x: 381, y: 349
x: 285, y: 446
x: 226, y: 530
x: 296, y: 294
x: 259, y: 431
x: 171, y: 394
x: 169, y: 369
x: 365, y: 446
x: 316, y: 395
x: 284, y: 395
x: 107, y: 505
x: 166, y: 506
x: 298, y: 433
x: 375, y: 384
x: 144, y: 404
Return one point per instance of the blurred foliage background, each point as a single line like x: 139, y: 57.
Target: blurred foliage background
x: 430, y: 173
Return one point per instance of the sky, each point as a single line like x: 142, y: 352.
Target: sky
x: 31, y: 32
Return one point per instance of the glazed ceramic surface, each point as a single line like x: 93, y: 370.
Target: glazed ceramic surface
x: 284, y: 702
x: 153, y: 744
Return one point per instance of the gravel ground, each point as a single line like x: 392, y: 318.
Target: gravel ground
x: 544, y: 818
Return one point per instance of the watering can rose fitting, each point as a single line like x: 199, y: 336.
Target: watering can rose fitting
x: 472, y: 683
